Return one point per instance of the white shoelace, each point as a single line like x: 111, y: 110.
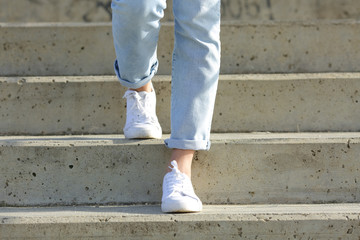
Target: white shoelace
x: 138, y: 108
x: 178, y: 183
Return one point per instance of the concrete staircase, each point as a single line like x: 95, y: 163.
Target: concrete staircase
x: 284, y: 162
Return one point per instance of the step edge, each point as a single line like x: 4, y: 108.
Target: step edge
x: 312, y: 22
x: 167, y: 78
x: 216, y: 138
x: 153, y: 213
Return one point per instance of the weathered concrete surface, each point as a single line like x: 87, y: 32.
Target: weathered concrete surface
x: 291, y: 47
x: 280, y: 47
x: 56, y: 49
x: 267, y: 222
x: 290, y: 102
x: 243, y: 10
x: 245, y: 103
x: 239, y: 169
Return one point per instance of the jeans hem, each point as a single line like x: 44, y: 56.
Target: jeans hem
x: 139, y: 82
x: 188, y: 144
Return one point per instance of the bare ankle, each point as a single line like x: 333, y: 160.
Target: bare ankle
x: 183, y: 159
x: 146, y: 88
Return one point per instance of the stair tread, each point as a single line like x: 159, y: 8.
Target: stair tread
x: 153, y: 213
x: 167, y: 77
x: 116, y: 139
x: 223, y: 22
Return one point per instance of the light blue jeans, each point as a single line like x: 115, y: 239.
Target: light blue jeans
x: 195, y: 63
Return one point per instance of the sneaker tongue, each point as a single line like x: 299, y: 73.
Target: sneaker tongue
x: 129, y: 92
x: 142, y: 94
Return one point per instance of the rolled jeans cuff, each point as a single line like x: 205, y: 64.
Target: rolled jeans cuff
x: 137, y: 83
x: 188, y: 144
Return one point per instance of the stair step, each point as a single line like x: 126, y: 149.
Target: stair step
x: 251, y: 168
x: 245, y: 103
x: 270, y: 222
x: 248, y: 10
x: 280, y: 47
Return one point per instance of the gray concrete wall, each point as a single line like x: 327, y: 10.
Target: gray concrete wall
x: 243, y: 10
x: 239, y: 169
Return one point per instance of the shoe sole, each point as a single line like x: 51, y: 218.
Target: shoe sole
x: 142, y: 134
x: 179, y: 208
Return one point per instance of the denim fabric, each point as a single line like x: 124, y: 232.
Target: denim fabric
x: 195, y: 66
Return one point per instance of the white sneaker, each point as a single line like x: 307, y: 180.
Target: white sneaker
x: 141, y: 119
x: 178, y: 192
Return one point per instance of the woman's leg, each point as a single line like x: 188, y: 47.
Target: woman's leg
x: 136, y: 25
x: 196, y: 63
x: 184, y: 159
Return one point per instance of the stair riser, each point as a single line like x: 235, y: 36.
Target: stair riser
x: 244, y: 10
x: 78, y: 49
x: 245, y: 103
x: 333, y: 221
x: 250, y: 228
x: 235, y: 171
